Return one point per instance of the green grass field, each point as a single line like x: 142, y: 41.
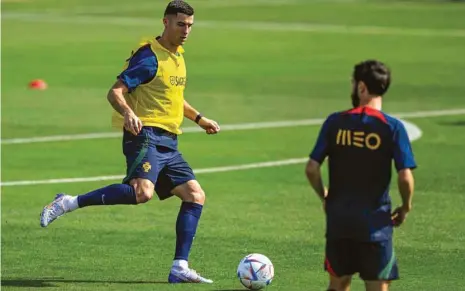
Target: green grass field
x: 248, y: 61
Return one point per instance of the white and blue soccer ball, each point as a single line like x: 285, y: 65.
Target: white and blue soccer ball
x: 255, y: 271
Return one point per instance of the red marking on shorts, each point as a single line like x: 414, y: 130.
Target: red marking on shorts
x: 329, y: 268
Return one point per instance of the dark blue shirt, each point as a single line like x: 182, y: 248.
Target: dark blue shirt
x: 142, y: 68
x: 361, y: 145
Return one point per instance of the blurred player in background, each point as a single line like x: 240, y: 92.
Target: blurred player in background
x: 148, y: 98
x: 361, y: 144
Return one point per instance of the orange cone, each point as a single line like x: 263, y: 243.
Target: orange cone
x: 38, y: 85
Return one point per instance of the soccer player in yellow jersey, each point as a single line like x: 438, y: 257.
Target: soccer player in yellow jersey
x: 148, y: 98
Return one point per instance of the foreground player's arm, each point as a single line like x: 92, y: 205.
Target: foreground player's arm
x: 406, y: 183
x: 210, y: 126
x: 142, y: 68
x: 404, y: 163
x: 116, y: 98
x: 317, y: 157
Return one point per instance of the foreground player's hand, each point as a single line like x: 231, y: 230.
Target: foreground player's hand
x: 210, y: 126
x: 399, y: 215
x: 132, y: 123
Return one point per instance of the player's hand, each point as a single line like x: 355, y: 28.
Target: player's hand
x: 399, y: 215
x: 323, y: 200
x: 210, y: 126
x: 132, y: 123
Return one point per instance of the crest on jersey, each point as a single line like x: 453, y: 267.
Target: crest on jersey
x: 147, y: 167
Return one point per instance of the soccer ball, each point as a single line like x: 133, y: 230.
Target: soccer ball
x: 255, y: 271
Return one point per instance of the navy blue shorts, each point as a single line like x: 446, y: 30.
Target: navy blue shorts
x: 153, y: 155
x: 374, y: 261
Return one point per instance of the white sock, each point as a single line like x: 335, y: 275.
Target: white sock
x: 71, y: 203
x: 181, y: 264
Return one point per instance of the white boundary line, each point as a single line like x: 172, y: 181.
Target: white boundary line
x: 120, y: 177
x: 413, y: 131
x: 249, y: 25
x: 228, y: 127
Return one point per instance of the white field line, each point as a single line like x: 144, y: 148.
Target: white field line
x: 249, y: 25
x: 228, y: 127
x: 413, y: 131
x: 204, y: 4
x: 120, y: 177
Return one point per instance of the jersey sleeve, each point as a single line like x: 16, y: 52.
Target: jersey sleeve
x: 142, y: 68
x: 403, y: 154
x: 321, y: 148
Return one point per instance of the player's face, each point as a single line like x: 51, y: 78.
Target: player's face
x: 178, y: 27
x: 355, y: 96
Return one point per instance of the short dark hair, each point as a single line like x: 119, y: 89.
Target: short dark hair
x: 179, y: 6
x: 375, y: 74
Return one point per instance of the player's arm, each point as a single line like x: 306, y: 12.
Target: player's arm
x: 142, y: 67
x: 313, y: 173
x: 190, y: 112
x: 404, y: 163
x: 317, y: 157
x: 210, y: 126
x: 116, y: 98
x: 406, y: 183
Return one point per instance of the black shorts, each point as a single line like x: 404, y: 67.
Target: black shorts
x: 374, y: 261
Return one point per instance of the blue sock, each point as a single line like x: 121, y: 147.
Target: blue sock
x: 186, y: 226
x: 109, y: 195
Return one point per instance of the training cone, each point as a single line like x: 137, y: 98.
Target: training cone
x: 38, y: 85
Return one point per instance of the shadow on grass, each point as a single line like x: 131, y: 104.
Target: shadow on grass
x: 49, y: 282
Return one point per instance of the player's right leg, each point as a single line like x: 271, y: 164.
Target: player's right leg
x: 143, y: 167
x: 378, y: 265
x: 339, y: 264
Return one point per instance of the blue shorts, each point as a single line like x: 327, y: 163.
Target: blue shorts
x: 374, y: 261
x: 153, y: 155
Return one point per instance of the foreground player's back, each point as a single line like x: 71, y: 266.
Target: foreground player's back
x: 360, y: 152
x: 362, y: 144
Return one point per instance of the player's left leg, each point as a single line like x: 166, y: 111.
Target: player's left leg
x: 339, y: 263
x: 377, y: 285
x: 177, y: 178
x: 339, y: 283
x: 193, y: 199
x: 378, y: 265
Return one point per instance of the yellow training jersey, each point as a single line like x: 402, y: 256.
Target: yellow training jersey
x: 159, y: 100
